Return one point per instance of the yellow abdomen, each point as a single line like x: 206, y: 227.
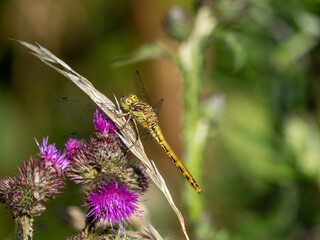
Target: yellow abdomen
x: 158, y: 136
x: 145, y: 115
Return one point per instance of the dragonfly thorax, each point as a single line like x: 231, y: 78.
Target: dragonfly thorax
x: 128, y: 100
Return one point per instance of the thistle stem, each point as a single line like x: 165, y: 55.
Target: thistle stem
x: 23, y: 227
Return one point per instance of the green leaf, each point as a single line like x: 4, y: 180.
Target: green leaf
x: 146, y: 52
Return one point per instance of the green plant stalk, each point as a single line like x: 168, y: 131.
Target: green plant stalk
x: 23, y: 227
x: 195, y: 126
x: 193, y: 150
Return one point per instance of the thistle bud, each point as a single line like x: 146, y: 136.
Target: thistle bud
x: 177, y: 23
x: 25, y: 193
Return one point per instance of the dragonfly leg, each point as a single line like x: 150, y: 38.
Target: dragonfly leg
x: 125, y: 124
x: 123, y: 114
x: 137, y: 129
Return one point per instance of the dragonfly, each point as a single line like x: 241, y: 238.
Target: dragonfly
x: 138, y: 109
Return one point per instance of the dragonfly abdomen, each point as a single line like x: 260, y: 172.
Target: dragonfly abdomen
x: 158, y: 136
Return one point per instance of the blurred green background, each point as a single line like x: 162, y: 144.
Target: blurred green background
x: 262, y: 168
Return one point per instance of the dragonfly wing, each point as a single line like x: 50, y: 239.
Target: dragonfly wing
x: 80, y: 110
x: 157, y: 107
x: 139, y: 88
x: 86, y: 134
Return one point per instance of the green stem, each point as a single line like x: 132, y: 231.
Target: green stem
x: 195, y: 125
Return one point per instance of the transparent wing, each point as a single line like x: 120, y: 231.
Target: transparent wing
x: 80, y: 135
x: 79, y: 110
x: 157, y: 107
x: 139, y: 88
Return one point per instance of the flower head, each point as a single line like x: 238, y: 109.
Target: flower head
x: 73, y: 147
x: 113, y: 203
x: 49, y: 153
x: 103, y: 124
x: 34, y: 184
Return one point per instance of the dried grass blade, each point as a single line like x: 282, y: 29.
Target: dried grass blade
x: 151, y: 231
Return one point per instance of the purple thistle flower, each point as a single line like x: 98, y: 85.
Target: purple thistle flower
x: 73, y: 147
x: 49, y: 153
x: 113, y: 203
x: 103, y: 124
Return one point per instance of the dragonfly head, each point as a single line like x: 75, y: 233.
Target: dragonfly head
x: 127, y: 100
